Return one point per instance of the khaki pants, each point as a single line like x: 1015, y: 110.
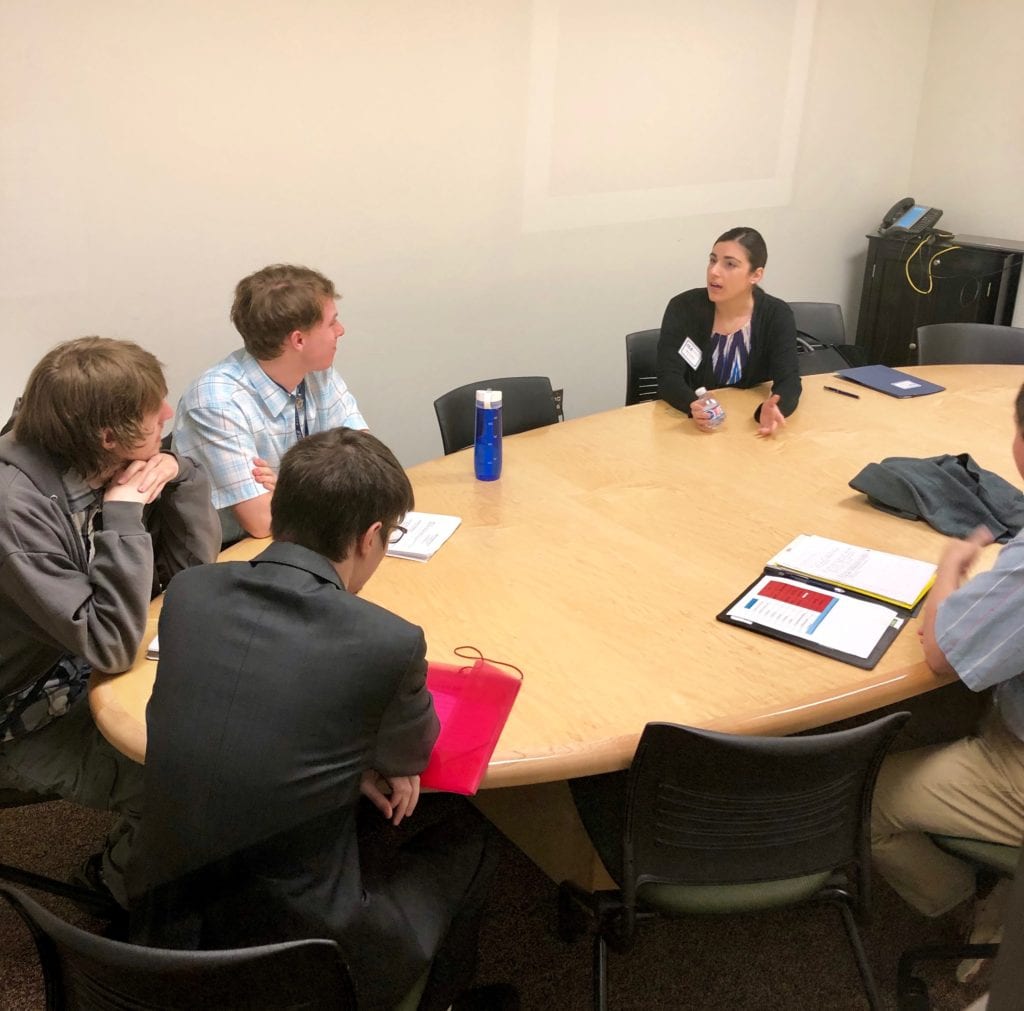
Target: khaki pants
x: 972, y: 788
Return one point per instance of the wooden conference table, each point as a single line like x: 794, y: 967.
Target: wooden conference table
x: 599, y: 560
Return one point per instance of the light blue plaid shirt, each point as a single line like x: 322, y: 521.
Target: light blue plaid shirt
x: 979, y: 628
x: 234, y: 412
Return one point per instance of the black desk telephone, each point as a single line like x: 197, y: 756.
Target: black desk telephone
x: 906, y: 219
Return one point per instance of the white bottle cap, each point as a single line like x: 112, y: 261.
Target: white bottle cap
x: 701, y: 391
x: 488, y: 398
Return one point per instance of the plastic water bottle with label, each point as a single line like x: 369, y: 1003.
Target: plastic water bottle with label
x: 715, y: 410
x: 487, y: 444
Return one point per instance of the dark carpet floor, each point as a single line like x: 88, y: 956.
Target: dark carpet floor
x: 796, y: 959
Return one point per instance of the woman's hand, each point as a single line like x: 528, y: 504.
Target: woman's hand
x: 701, y: 416
x: 771, y: 419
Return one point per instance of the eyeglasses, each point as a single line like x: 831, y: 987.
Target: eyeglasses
x: 395, y: 534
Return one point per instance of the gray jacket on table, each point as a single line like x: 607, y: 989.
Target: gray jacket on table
x: 53, y: 600
x: 951, y: 493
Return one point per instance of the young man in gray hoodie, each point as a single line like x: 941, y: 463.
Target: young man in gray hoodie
x: 94, y: 521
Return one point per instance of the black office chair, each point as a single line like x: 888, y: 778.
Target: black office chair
x: 970, y: 344
x: 1008, y: 975
x: 527, y: 402
x: 85, y: 971
x: 642, y: 366
x: 9, y: 423
x: 717, y: 823
x: 1002, y: 861
x: 819, y: 322
x: 95, y: 902
x: 821, y: 339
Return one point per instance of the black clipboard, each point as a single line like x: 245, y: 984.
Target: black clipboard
x: 902, y: 615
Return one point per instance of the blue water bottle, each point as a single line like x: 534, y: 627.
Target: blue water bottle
x: 487, y: 445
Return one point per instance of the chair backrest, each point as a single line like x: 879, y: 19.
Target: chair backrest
x: 1008, y: 976
x: 970, y: 344
x: 815, y: 359
x: 642, y: 366
x: 83, y: 970
x: 9, y: 423
x: 527, y: 402
x: 710, y: 808
x: 819, y: 321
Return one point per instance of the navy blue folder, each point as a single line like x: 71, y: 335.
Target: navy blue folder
x: 890, y: 381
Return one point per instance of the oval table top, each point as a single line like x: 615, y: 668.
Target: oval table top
x: 597, y: 564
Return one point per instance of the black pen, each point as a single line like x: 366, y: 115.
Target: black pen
x: 843, y: 393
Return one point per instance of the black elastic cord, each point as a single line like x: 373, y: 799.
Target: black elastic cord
x: 472, y: 653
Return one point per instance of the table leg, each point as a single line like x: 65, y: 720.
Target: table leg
x: 541, y: 820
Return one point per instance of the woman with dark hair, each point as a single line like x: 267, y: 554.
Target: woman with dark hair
x: 730, y: 333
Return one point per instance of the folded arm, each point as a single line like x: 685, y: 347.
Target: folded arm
x: 99, y: 612
x: 183, y: 523
x: 253, y: 515
x: 409, y: 726
x: 222, y: 441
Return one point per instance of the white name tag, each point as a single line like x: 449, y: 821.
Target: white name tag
x: 690, y: 353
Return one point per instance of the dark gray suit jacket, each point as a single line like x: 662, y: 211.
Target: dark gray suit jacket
x: 276, y: 689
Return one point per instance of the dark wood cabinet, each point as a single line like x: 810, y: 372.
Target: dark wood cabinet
x: 972, y: 280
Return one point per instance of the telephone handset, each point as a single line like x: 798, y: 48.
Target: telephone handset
x: 906, y: 218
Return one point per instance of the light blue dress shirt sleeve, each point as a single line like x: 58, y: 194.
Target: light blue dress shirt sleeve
x: 980, y: 629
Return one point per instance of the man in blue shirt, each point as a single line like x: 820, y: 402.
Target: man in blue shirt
x: 241, y: 416
x: 974, y: 787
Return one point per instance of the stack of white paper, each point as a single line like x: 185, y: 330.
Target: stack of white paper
x: 893, y: 578
x: 425, y: 533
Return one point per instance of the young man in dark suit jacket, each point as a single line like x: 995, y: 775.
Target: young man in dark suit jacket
x: 280, y: 698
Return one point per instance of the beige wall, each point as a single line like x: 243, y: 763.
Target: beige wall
x: 497, y: 187
x: 969, y: 147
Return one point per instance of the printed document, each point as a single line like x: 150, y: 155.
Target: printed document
x: 894, y: 578
x: 425, y: 533
x: 826, y: 617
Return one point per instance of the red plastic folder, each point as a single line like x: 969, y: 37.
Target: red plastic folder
x: 472, y: 701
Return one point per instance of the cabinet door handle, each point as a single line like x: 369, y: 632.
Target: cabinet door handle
x: 912, y: 347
